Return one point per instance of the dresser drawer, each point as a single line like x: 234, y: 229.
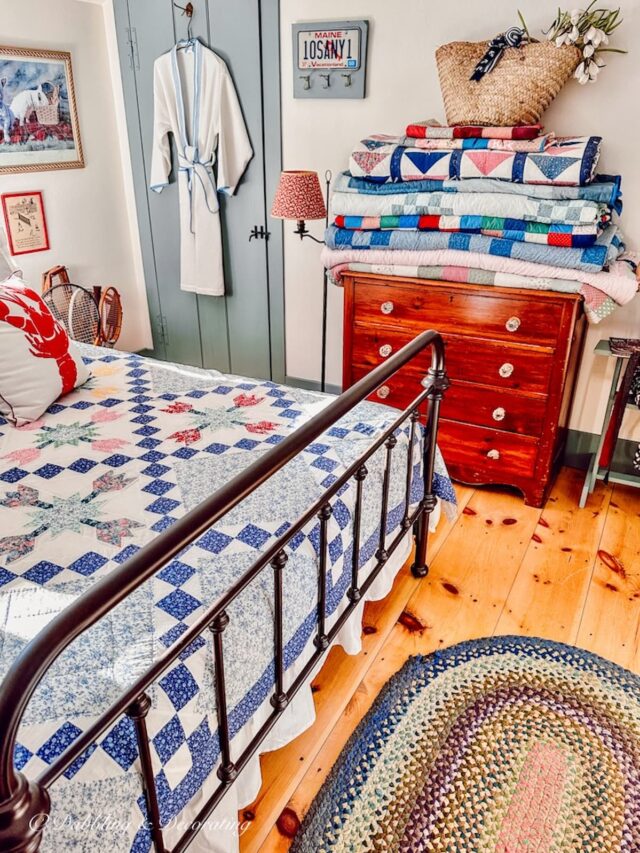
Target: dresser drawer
x: 464, y: 401
x: 477, y: 454
x: 488, y: 362
x: 494, y: 408
x: 423, y: 307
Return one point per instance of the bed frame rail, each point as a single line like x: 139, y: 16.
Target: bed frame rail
x: 25, y: 804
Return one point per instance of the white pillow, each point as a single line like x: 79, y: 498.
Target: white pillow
x: 38, y: 362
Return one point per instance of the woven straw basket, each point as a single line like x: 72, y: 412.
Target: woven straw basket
x: 48, y: 115
x: 517, y: 91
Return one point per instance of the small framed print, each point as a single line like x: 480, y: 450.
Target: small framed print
x: 25, y: 222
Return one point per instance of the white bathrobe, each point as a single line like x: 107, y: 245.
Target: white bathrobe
x: 196, y: 101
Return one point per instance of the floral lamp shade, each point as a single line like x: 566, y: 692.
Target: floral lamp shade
x: 299, y: 196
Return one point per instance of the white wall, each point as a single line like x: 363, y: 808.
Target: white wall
x: 89, y: 211
x: 402, y: 86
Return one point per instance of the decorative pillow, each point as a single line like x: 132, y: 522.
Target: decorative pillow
x: 38, y: 362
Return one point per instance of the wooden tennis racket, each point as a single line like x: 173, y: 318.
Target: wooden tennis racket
x: 110, y: 306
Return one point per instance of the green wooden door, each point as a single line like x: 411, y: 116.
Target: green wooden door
x: 241, y: 332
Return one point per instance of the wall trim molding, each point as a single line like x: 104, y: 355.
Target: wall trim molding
x: 311, y: 384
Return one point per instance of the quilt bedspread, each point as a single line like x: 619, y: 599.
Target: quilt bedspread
x: 605, y: 189
x: 103, y: 472
x: 440, y: 203
x: 607, y: 247
x: 569, y: 160
x: 573, y: 236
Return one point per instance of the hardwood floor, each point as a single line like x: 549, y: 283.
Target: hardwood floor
x: 564, y: 573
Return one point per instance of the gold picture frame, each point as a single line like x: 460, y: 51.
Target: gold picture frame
x: 39, y: 127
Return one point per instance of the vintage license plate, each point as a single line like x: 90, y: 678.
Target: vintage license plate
x: 329, y: 48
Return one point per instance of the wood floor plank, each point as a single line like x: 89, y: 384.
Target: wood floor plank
x: 461, y: 598
x: 551, y: 586
x: 283, y: 769
x: 611, y: 622
x: 473, y: 572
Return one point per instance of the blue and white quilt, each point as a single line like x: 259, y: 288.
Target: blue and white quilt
x: 105, y: 470
x: 608, y: 246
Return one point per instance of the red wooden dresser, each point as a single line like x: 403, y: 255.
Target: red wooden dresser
x: 512, y: 357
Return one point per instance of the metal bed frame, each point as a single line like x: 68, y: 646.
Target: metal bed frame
x: 24, y: 804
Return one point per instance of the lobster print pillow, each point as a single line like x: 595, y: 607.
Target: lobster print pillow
x: 38, y: 362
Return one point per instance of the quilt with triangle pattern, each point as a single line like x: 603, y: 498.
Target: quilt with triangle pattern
x: 568, y: 161
x: 104, y: 471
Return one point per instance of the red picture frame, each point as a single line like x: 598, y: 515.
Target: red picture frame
x: 25, y: 222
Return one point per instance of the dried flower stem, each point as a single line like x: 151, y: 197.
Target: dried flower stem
x: 589, y: 30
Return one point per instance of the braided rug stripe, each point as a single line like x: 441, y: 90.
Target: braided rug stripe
x: 507, y: 744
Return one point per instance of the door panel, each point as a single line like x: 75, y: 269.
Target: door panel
x: 235, y: 36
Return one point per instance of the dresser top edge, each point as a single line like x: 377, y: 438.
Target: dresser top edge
x: 500, y: 290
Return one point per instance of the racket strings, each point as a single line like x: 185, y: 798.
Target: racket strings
x: 76, y: 311
x: 111, y: 316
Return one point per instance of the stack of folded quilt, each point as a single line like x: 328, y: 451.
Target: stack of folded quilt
x: 509, y: 206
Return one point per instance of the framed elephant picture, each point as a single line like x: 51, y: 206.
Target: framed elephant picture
x: 38, y: 116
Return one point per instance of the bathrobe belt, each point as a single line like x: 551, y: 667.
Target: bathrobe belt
x: 199, y: 179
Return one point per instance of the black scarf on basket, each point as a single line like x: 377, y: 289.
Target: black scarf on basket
x: 511, y: 38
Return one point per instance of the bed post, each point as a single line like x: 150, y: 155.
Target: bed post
x: 24, y: 811
x: 438, y: 382
x: 24, y: 805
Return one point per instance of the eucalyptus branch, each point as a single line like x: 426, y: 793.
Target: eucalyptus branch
x: 524, y: 26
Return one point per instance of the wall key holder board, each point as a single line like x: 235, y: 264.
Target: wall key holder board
x: 330, y: 59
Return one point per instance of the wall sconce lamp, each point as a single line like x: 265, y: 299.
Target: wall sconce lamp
x: 299, y: 197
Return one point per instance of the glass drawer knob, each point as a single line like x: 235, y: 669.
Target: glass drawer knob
x: 493, y: 454
x: 498, y: 414
x: 386, y: 307
x: 512, y: 324
x: 506, y: 370
x: 383, y: 392
x: 385, y: 350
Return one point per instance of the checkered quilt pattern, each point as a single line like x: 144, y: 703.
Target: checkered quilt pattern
x: 105, y: 470
x: 608, y: 246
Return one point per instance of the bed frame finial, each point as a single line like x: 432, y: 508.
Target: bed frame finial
x: 23, y: 817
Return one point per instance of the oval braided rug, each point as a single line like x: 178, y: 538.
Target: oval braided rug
x: 508, y: 744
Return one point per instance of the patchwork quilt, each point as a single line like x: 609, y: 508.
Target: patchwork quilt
x: 619, y: 281
x: 569, y: 160
x: 433, y: 130
x: 605, y: 189
x: 498, y: 204
x: 592, y: 259
x: 476, y: 143
x: 104, y: 471
x: 491, y: 226
x: 597, y: 305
